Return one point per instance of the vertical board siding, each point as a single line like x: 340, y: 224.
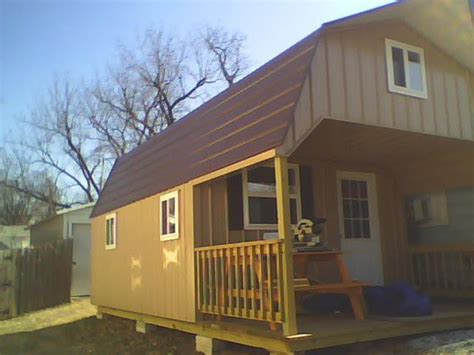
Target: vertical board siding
x: 349, y: 82
x: 462, y: 91
x: 336, y: 83
x: 352, y: 79
x: 320, y: 82
x: 144, y: 274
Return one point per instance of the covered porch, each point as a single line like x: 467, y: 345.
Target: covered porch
x: 362, y: 179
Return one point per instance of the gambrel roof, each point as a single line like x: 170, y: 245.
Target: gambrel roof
x: 250, y: 117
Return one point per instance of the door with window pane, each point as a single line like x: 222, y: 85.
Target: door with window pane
x: 359, y: 226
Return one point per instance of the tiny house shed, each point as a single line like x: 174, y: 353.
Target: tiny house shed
x: 365, y: 122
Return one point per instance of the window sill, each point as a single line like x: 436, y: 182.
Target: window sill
x: 167, y: 237
x: 407, y: 92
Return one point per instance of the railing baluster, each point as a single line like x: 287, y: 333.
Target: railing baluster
x: 261, y: 282
x: 253, y: 283
x: 205, y: 281
x: 216, y: 281
x: 279, y: 276
x: 230, y: 273
x: 244, y: 279
x: 199, y: 280
x: 270, y: 282
x: 237, y: 279
x: 211, y: 280
x: 223, y: 309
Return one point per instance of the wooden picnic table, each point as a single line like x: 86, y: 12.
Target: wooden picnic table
x: 347, y: 286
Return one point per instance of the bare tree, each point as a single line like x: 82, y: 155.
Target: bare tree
x: 24, y: 193
x: 62, y: 141
x: 159, y: 82
x: 76, y: 134
x: 14, y: 207
x: 226, y: 50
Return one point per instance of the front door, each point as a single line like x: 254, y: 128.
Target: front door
x: 359, y: 225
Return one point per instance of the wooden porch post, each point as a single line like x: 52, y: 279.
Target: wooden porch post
x: 284, y: 232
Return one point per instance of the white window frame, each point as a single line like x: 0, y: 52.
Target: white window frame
x: 114, y: 231
x: 392, y: 87
x: 167, y: 197
x: 247, y: 194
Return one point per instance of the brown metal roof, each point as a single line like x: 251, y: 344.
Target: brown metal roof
x: 249, y: 118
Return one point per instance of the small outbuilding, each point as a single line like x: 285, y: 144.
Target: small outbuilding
x: 70, y: 223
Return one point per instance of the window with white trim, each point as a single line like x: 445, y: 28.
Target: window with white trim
x: 405, y: 69
x: 260, y: 201
x: 169, y: 209
x: 111, y: 231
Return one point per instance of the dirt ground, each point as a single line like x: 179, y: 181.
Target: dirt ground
x: 118, y: 336
x: 72, y: 329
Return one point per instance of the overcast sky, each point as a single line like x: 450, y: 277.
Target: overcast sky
x: 43, y: 39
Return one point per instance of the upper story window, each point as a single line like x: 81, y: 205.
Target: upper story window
x: 405, y: 69
x: 259, y: 195
x: 111, y: 231
x: 169, y: 216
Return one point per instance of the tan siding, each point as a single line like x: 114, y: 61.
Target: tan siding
x: 337, y: 94
x: 320, y: 82
x: 303, y: 107
x: 369, y: 79
x: 352, y: 79
x: 462, y: 92
x: 144, y: 274
x: 447, y: 171
x: 350, y: 83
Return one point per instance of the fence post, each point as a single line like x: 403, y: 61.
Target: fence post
x: 14, y: 282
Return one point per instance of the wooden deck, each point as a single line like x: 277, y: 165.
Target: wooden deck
x: 317, y: 331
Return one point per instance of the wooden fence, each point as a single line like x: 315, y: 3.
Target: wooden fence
x: 36, y: 278
x: 444, y: 270
x: 241, y: 280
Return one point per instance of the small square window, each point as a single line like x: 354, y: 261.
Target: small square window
x: 169, y: 216
x: 406, y: 69
x: 111, y: 231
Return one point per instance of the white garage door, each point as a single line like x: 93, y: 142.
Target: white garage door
x: 81, y: 257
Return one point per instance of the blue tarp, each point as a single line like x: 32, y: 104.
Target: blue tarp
x: 396, y: 300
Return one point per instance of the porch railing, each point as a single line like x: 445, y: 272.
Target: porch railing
x: 443, y: 270
x: 241, y: 280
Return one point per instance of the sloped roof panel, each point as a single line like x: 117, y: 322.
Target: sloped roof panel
x: 249, y: 118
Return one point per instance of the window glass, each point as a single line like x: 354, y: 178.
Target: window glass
x: 398, y: 67
x: 406, y: 69
x: 262, y: 210
x: 261, y: 179
x: 415, y: 70
x: 164, y: 217
x: 355, y: 209
x: 169, y: 216
x: 293, y: 211
x: 261, y: 195
x: 110, y: 230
